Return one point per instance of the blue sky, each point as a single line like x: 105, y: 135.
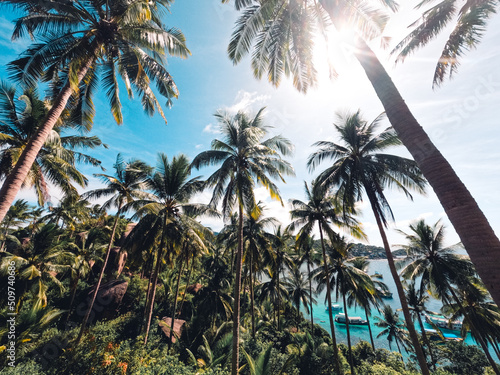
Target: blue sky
x: 462, y: 117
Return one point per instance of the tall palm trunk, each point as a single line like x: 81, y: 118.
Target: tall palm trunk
x: 154, y: 281
x: 329, y: 300
x: 237, y: 286
x: 187, y: 283
x: 278, y: 295
x: 369, y: 327
x: 16, y: 177
x: 349, y: 346
x: 252, y: 307
x: 73, y: 294
x: 101, y: 274
x: 426, y: 340
x: 175, y: 305
x: 148, y: 269
x: 399, y: 287
x: 469, y: 222
x: 310, y: 296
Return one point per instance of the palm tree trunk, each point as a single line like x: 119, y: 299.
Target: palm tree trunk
x: 278, y: 295
x: 310, y: 296
x: 237, y: 286
x: 401, y: 293
x: 469, y: 222
x: 187, y: 283
x: 349, y: 346
x: 149, y: 269
x: 426, y: 340
x: 73, y: 294
x: 252, y: 307
x: 329, y: 301
x: 369, y: 328
x: 16, y: 177
x: 98, y: 285
x: 175, y: 305
x: 151, y: 302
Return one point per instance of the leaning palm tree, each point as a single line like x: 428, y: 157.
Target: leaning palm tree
x: 79, y: 40
x: 361, y: 166
x: 126, y: 185
x: 245, y: 158
x: 56, y: 160
x: 324, y: 211
x: 280, y: 36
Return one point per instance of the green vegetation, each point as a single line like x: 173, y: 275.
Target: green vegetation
x: 92, y: 291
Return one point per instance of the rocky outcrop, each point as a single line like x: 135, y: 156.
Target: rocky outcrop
x: 165, y: 324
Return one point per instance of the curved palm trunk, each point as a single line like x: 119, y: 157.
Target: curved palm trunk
x: 469, y: 222
x: 237, y: 286
x: 310, y: 296
x: 401, y: 293
x: 101, y: 274
x: 349, y: 346
x: 369, y: 328
x: 329, y: 301
x: 16, y: 177
x: 175, y: 305
x: 154, y: 281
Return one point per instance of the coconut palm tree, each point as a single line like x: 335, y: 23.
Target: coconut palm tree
x: 309, y: 255
x: 55, y: 162
x: 393, y: 328
x: 440, y: 269
x: 280, y: 36
x: 345, y: 279
x: 126, y: 185
x: 364, y: 297
x: 245, y: 157
x: 322, y: 210
x: 298, y: 290
x: 78, y: 40
x: 271, y: 291
x: 167, y: 217
x: 19, y: 213
x: 361, y: 166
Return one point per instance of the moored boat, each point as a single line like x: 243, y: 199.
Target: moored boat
x: 436, y: 336
x: 354, y: 320
x: 443, y: 322
x: 334, y: 307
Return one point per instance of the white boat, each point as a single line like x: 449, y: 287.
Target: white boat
x: 442, y: 322
x: 435, y: 336
x: 354, y: 320
x: 334, y: 307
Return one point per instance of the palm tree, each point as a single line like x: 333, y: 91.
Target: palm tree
x: 298, y: 290
x: 322, y: 210
x: 38, y: 261
x: 55, y: 162
x: 281, y: 35
x: 360, y: 166
x: 245, y: 158
x: 439, y: 268
x: 128, y: 184
x: 393, y: 327
x: 416, y: 300
x: 271, y: 291
x: 346, y: 279
x: 79, y: 39
x: 309, y: 255
x: 167, y: 217
x: 19, y: 213
x: 364, y: 297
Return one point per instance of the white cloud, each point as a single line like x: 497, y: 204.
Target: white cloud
x: 248, y: 101
x: 198, y: 146
x: 211, y: 129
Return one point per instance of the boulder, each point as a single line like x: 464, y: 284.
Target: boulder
x: 165, y: 324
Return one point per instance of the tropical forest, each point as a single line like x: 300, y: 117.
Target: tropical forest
x: 249, y: 187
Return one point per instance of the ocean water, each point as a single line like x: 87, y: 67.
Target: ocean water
x: 361, y: 333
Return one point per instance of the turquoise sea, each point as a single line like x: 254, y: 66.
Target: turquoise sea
x: 359, y: 333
